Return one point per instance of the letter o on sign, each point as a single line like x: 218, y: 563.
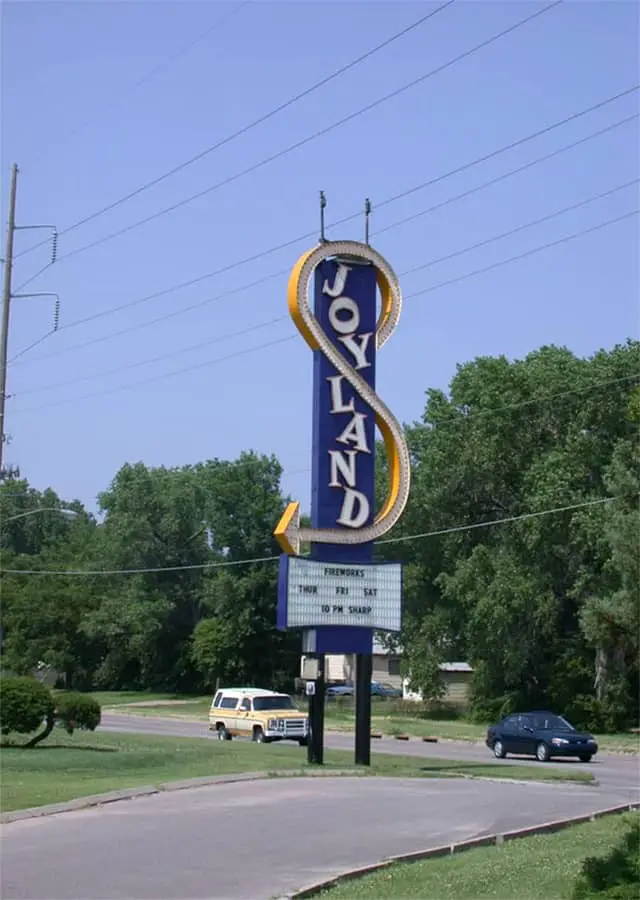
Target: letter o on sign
x: 344, y: 304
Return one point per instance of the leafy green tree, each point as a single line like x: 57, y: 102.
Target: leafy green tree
x: 189, y: 521
x: 508, y: 439
x: 40, y: 614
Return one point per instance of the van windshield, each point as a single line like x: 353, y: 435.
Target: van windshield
x: 282, y: 701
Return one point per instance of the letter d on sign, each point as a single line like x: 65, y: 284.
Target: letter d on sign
x: 355, y: 509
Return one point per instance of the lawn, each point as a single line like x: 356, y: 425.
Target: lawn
x: 66, y: 767
x: 532, y: 868
x: 387, y: 717
x: 125, y: 698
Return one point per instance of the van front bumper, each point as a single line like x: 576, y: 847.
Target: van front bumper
x: 287, y: 729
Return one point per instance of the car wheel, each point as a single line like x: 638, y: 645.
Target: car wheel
x: 258, y: 736
x: 304, y: 742
x: 498, y: 750
x: 223, y: 734
x: 585, y: 757
x: 542, y: 752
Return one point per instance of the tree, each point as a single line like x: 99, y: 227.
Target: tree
x: 200, y: 524
x: 40, y: 614
x: 610, y: 616
x: 508, y: 439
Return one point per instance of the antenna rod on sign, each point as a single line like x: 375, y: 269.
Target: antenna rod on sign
x: 323, y: 203
x: 367, y: 217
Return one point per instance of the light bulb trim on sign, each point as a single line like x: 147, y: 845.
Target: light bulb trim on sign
x: 288, y: 532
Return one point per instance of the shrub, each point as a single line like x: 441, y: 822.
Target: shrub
x: 616, y: 876
x: 604, y: 716
x: 74, y: 710
x: 25, y: 704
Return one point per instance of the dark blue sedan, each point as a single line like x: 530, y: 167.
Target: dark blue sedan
x: 540, y: 734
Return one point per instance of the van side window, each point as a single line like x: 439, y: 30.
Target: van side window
x: 229, y: 702
x: 246, y: 704
x: 217, y: 699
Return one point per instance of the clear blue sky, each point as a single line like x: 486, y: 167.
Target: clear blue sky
x: 84, y: 136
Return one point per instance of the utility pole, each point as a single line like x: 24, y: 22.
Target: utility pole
x: 6, y: 306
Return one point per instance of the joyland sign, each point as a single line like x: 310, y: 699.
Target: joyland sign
x: 338, y: 590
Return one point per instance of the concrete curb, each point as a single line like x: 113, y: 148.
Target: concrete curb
x: 53, y: 809
x: 317, y: 887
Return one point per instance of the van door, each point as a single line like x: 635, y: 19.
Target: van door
x: 244, y: 717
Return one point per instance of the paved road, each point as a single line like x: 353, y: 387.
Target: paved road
x: 257, y: 840
x: 262, y: 839
x: 617, y: 774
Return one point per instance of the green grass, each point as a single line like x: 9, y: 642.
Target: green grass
x: 66, y: 767
x: 123, y: 698
x: 543, y: 867
x: 388, y: 717
x: 196, y: 710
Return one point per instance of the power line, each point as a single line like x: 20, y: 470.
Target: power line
x: 247, y: 330
x: 153, y: 378
x: 271, y: 559
x: 518, y: 228
x: 254, y: 124
x: 519, y: 256
x: 506, y: 520
x: 543, y: 398
x: 170, y: 315
x: 459, y: 420
x: 156, y: 70
x: 504, y: 175
x: 312, y: 137
x: 563, y: 240
x: 37, y: 274
x: 287, y: 244
x: 160, y: 358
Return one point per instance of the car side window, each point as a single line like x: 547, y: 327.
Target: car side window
x: 246, y: 705
x: 510, y: 722
x: 229, y: 702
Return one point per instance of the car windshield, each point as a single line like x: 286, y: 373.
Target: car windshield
x: 282, y: 701
x: 551, y: 722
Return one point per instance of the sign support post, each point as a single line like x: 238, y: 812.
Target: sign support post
x: 315, y: 745
x: 338, y: 595
x: 364, y: 667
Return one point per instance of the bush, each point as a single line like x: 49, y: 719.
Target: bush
x: 616, y: 876
x: 599, y: 716
x: 74, y: 710
x: 444, y: 711
x: 24, y: 704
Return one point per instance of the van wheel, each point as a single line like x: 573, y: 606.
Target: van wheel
x: 258, y: 736
x: 223, y: 734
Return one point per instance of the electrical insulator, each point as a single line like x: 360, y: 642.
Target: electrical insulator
x: 56, y: 315
x: 54, y: 247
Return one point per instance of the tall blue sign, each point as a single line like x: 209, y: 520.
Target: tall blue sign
x: 344, y: 331
x: 343, y: 435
